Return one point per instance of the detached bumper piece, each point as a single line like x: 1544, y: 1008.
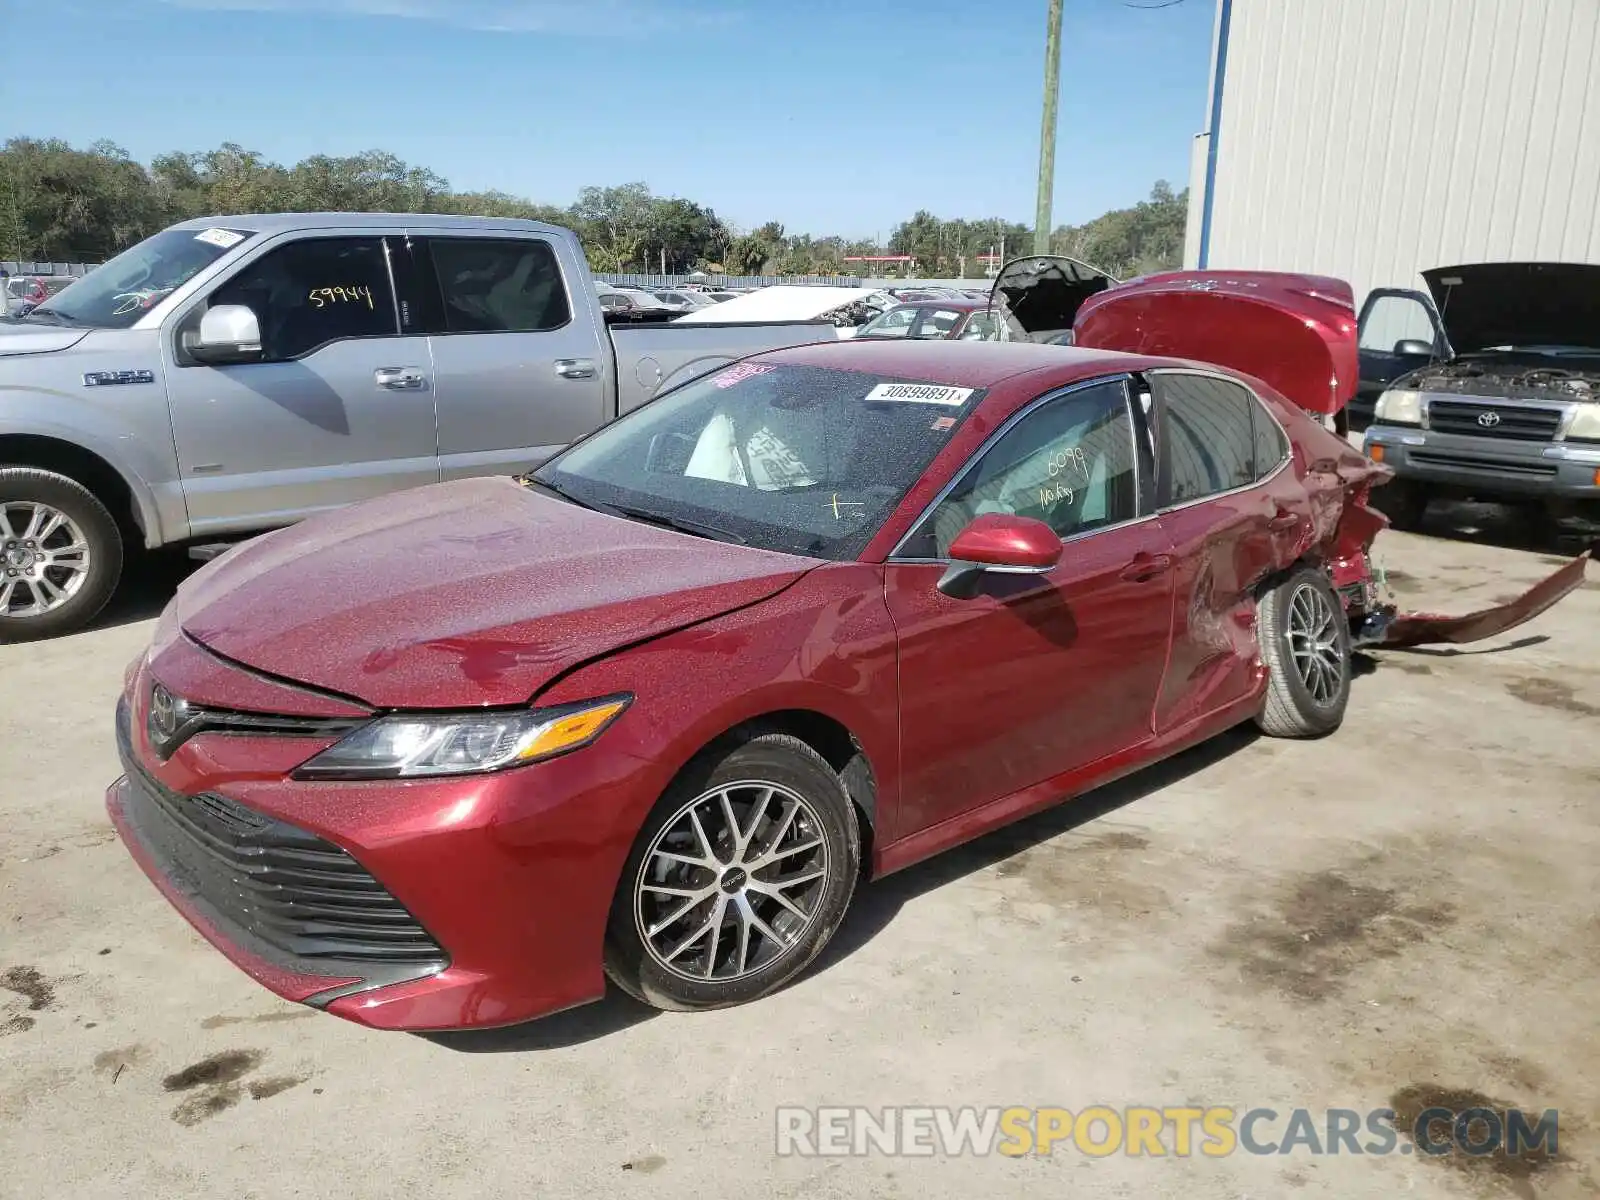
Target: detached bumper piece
x: 281, y: 894
x: 1419, y: 629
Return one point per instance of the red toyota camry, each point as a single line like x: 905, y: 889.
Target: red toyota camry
x: 454, y: 757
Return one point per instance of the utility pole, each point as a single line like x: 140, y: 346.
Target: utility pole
x: 1047, y: 131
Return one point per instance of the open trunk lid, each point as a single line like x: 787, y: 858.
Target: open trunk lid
x: 1295, y: 333
x: 1041, y: 294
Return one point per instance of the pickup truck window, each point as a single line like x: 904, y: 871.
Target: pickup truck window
x: 312, y: 292
x: 135, y: 281
x: 499, y: 285
x: 805, y: 460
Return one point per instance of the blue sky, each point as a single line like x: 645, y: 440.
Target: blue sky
x: 831, y: 116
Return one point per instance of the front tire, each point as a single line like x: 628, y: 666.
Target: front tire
x: 740, y: 876
x: 60, y: 554
x: 1305, y: 643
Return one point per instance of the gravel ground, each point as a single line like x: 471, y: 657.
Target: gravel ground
x: 1400, y: 912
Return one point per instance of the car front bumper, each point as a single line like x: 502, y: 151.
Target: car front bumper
x: 418, y: 904
x: 1488, y: 466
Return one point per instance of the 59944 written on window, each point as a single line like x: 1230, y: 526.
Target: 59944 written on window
x: 310, y: 293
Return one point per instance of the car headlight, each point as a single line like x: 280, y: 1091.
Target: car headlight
x: 1585, y: 423
x: 1398, y: 407
x: 409, y: 745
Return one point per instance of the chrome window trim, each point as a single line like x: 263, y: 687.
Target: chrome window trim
x: 1015, y: 419
x: 1287, y: 442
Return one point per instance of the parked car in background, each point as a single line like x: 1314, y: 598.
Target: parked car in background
x: 236, y: 374
x: 680, y: 301
x: 1488, y: 387
x: 23, y: 292
x: 455, y: 758
x: 943, y: 319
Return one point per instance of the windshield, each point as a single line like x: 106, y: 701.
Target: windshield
x: 896, y: 322
x: 804, y: 460
x: 131, y: 284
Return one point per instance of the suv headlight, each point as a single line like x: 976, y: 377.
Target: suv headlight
x: 1585, y: 423
x: 1398, y: 407
x: 408, y: 745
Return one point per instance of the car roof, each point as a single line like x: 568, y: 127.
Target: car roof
x: 955, y: 303
x: 278, y: 222
x: 962, y: 364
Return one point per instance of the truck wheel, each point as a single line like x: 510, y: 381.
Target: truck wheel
x: 60, y: 554
x: 1404, y: 502
x: 739, y: 877
x: 1305, y: 643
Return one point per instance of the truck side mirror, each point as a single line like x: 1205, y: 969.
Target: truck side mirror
x: 1414, y: 346
x: 229, y: 333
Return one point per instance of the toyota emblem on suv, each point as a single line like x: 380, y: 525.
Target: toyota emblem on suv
x: 1489, y: 419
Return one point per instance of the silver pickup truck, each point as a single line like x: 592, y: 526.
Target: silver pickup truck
x: 236, y: 374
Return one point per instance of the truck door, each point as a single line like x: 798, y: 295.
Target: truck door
x: 522, y: 370
x: 338, y: 407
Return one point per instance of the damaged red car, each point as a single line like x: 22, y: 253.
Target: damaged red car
x: 455, y: 757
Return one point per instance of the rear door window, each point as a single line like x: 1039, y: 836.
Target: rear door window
x: 510, y: 285
x: 1210, y: 435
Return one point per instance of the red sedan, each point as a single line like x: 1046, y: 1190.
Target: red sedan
x: 454, y: 757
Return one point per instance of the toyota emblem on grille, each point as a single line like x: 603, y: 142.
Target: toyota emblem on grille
x: 166, y: 720
x: 1489, y: 419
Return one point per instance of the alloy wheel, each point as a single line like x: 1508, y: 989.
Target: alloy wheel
x: 44, y: 558
x: 1315, y: 645
x: 732, y: 882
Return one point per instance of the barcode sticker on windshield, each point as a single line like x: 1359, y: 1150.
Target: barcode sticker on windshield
x: 225, y: 238
x: 921, y: 393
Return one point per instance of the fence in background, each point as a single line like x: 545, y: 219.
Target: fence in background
x: 46, y: 268
x: 729, y: 281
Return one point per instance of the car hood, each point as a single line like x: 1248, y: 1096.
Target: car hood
x: 1041, y: 294
x: 462, y: 594
x: 1517, y: 304
x: 19, y: 337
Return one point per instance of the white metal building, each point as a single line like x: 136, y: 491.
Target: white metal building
x: 1373, y: 139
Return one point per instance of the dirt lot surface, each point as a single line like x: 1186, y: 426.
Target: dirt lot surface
x: 1404, y: 911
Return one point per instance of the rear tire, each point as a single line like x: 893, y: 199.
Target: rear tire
x: 1305, y: 643
x: 60, y: 554
x: 711, y: 913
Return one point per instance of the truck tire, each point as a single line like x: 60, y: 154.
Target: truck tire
x: 60, y: 554
x: 1404, y: 502
x: 740, y: 876
x: 1305, y: 644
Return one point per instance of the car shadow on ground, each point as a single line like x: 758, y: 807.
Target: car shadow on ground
x: 149, y: 579
x: 876, y: 904
x: 1507, y: 526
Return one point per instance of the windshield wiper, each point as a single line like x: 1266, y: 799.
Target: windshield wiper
x: 682, y: 525
x: 55, y: 318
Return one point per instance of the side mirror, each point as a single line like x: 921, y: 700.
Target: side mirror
x: 229, y: 333
x: 1001, y: 543
x: 1414, y: 346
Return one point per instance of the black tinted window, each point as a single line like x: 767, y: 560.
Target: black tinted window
x: 1211, y: 439
x: 504, y: 286
x: 1270, y: 448
x: 310, y: 293
x: 1069, y: 463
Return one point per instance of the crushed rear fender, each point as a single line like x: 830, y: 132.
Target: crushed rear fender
x: 1419, y: 629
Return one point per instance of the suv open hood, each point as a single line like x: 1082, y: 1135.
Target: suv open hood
x: 1517, y: 304
x: 1041, y: 294
x: 462, y: 594
x: 17, y: 337
x: 1296, y: 333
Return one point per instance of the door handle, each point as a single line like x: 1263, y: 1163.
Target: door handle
x: 400, y: 379
x: 1146, y: 567
x: 576, y: 368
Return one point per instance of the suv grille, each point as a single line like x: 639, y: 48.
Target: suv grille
x: 1522, y: 422
x: 284, y: 894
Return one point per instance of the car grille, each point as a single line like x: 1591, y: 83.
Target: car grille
x: 1519, y: 421
x: 1463, y: 462
x: 287, y: 895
